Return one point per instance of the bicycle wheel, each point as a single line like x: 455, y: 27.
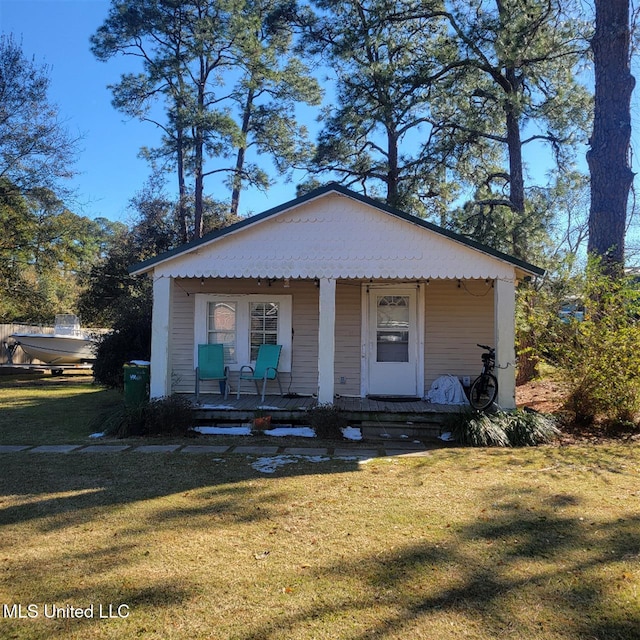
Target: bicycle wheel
x: 483, y: 391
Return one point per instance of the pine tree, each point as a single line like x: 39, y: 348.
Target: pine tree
x: 608, y: 157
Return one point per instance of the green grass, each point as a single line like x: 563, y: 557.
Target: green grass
x: 51, y: 410
x: 537, y: 543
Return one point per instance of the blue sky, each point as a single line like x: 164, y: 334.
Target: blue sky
x: 56, y: 33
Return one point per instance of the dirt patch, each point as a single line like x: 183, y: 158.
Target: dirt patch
x: 546, y: 396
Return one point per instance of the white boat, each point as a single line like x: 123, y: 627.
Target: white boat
x: 68, y: 344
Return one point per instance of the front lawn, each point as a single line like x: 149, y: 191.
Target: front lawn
x: 536, y: 543
x: 461, y: 543
x: 51, y: 410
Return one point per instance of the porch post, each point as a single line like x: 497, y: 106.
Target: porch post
x: 326, y: 340
x: 160, y: 331
x: 504, y: 302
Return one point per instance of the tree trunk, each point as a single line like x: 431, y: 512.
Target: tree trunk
x: 198, y: 224
x: 608, y: 157
x: 237, y: 174
x: 516, y: 173
x: 198, y: 169
x: 393, y: 171
x: 182, y: 190
x: 516, y: 183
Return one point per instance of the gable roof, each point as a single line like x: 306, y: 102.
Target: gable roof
x: 195, y: 247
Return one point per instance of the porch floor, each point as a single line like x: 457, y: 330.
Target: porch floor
x: 418, y: 417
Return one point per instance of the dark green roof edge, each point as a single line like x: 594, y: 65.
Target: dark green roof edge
x: 316, y: 193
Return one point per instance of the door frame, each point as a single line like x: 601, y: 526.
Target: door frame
x: 367, y: 332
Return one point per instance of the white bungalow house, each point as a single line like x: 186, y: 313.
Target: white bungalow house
x: 364, y: 299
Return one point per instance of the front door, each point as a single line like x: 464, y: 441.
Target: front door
x: 393, y: 341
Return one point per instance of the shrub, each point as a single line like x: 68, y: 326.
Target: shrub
x: 129, y: 340
x: 502, y: 429
x: 164, y: 416
x: 540, y: 327
x: 172, y: 415
x: 123, y: 422
x: 601, y: 361
x: 326, y: 420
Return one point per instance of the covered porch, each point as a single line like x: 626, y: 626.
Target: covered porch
x: 364, y: 300
x: 343, y: 339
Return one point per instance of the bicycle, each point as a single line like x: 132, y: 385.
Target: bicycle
x: 484, y: 389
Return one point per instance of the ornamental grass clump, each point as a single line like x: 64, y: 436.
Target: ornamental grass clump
x: 503, y: 429
x: 480, y: 430
x: 529, y: 428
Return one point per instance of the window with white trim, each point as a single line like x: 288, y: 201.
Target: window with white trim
x: 264, y: 325
x: 242, y: 323
x: 221, y: 327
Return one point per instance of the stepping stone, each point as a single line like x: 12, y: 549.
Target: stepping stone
x: 55, y: 448
x: 306, y: 451
x: 104, y: 448
x: 407, y: 445
x: 205, y: 448
x: 356, y: 453
x: 157, y: 448
x: 12, y: 448
x: 257, y: 451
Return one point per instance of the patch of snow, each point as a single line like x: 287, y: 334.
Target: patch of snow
x: 447, y: 436
x: 302, y: 432
x: 352, y: 433
x: 271, y: 463
x: 266, y: 407
x: 98, y: 435
x: 224, y: 431
x: 221, y: 407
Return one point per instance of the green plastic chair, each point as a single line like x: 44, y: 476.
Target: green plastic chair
x: 266, y: 368
x: 211, y: 367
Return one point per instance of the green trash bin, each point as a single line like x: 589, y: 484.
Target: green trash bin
x: 136, y: 383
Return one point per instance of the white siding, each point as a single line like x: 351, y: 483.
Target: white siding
x: 457, y: 317
x: 181, y: 342
x: 304, y: 368
x: 334, y: 236
x: 348, y: 327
